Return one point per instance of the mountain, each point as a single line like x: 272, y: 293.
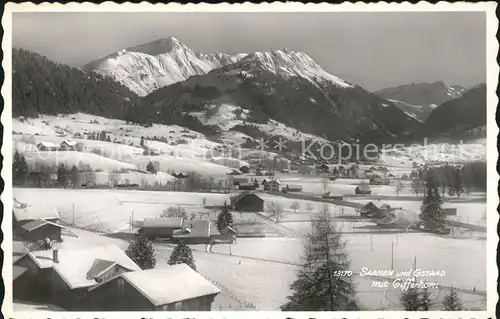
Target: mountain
x: 151, y: 66
x: 458, y: 115
x: 290, y: 88
x: 419, y: 100
x: 43, y: 86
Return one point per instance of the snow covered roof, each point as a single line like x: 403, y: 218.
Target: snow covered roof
x: 17, y: 271
x: 238, y: 197
x: 35, y: 224
x: 197, y: 228
x: 75, y: 264
x: 271, y: 180
x: 175, y: 283
x: 162, y: 222
x: 47, y: 144
x: 70, y: 143
x: 27, y: 212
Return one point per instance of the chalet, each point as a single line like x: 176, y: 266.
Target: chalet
x: 68, y: 146
x: 245, y: 169
x: 247, y: 202
x: 161, y: 227
x: 363, y: 189
x: 292, y: 188
x: 271, y: 184
x: 373, y: 210
x: 193, y: 232
x: 174, y: 288
x: 248, y: 186
x: 63, y: 277
x: 46, y: 146
x: 39, y: 229
x: 398, y: 218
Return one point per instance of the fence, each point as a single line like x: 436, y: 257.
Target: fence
x: 231, y: 294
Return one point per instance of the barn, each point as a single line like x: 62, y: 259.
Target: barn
x: 161, y: 227
x: 174, y: 288
x: 363, y: 189
x: 46, y: 146
x: 193, y: 232
x: 247, y: 202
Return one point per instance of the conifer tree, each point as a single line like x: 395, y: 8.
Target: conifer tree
x: 457, y: 188
x: 151, y: 168
x: 225, y: 218
x: 321, y: 285
x: 62, y: 175
x: 182, y: 254
x: 410, y: 299
x: 432, y: 215
x: 141, y: 251
x: 452, y: 302
x: 74, y: 175
x: 20, y: 169
x: 425, y: 300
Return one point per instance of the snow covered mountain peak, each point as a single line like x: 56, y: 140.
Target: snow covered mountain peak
x: 288, y: 63
x: 160, y: 46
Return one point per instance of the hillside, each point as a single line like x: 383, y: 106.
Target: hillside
x: 458, y: 115
x: 151, y: 66
x: 289, y: 88
x: 420, y: 99
x: 40, y: 86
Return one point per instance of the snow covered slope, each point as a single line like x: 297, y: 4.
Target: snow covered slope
x: 148, y: 67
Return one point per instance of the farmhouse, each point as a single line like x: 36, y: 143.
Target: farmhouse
x: 248, y: 186
x: 68, y: 146
x: 271, y: 184
x: 247, y: 202
x: 63, y: 277
x: 175, y: 288
x: 373, y: 210
x: 193, y: 232
x: 363, y: 189
x: 161, y: 227
x: 46, y: 146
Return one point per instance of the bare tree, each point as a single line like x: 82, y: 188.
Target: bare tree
x: 174, y: 212
x: 295, y: 206
x: 399, y: 187
x: 276, y: 210
x: 114, y: 178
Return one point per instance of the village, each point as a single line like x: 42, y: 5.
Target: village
x: 73, y: 228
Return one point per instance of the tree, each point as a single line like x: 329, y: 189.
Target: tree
x: 432, y: 214
x: 410, y: 299
x: 151, y: 168
x: 399, y: 187
x: 276, y: 210
x: 295, y: 206
x: 174, y: 212
x: 322, y: 284
x: 20, y: 169
x: 416, y: 186
x: 74, y: 175
x: 425, y: 300
x: 457, y: 188
x: 62, y: 175
x: 224, y: 219
x: 452, y: 302
x: 141, y: 251
x: 182, y: 254
x: 142, y: 141
x: 114, y: 178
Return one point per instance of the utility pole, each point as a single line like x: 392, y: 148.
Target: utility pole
x: 392, y: 255
x: 74, y: 214
x: 371, y: 241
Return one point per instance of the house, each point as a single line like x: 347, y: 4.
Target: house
x: 174, y: 288
x: 24, y: 213
x: 323, y: 168
x: 227, y: 235
x: 239, y: 180
x: 68, y: 146
x: 398, y: 218
x: 63, y: 277
x: 161, y: 227
x: 245, y: 169
x: 39, y: 229
x: 292, y: 188
x: 248, y: 186
x: 363, y: 189
x: 193, y: 232
x: 373, y: 210
x: 46, y: 146
x: 271, y: 184
x: 247, y: 202
x: 378, y: 180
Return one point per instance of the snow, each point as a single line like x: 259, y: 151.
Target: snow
x: 222, y: 115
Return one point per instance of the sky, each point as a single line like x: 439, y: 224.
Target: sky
x: 373, y: 50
